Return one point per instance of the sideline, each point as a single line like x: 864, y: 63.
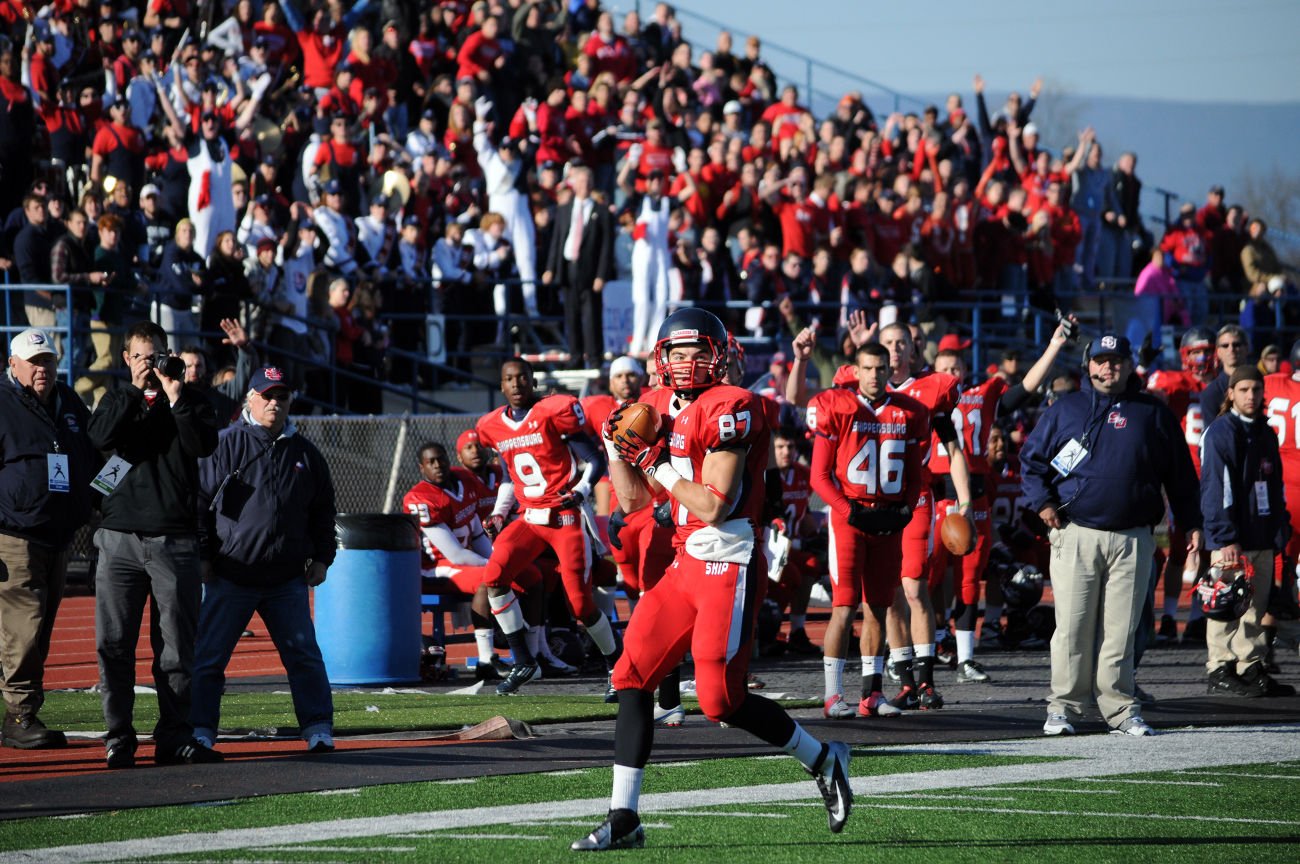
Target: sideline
x: 1088, y: 756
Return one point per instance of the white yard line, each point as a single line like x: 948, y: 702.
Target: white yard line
x: 1241, y: 774
x: 1086, y: 756
x: 1079, y: 813
x: 1149, y: 782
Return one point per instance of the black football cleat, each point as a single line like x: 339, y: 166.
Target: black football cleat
x: 620, y: 830
x: 520, y: 674
x: 832, y: 776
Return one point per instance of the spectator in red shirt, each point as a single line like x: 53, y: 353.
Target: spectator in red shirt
x: 1185, y: 245
x: 1067, y: 233
x: 1211, y: 216
x: 609, y: 51
x: 42, y: 73
x: 803, y: 224
x: 118, y: 148
x: 322, y: 46
x: 481, y: 54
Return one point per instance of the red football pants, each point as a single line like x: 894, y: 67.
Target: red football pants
x: 708, y: 607
x: 973, y: 563
x: 863, y: 567
x: 518, y: 546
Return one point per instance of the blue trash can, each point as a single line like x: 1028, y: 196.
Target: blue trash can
x: 368, y: 610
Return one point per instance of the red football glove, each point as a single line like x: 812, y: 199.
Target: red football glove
x: 635, y: 450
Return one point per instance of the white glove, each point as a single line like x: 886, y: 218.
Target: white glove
x: 482, y: 107
x: 530, y: 111
x: 260, y: 85
x: 679, y: 160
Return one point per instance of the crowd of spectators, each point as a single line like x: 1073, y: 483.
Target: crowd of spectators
x: 331, y: 173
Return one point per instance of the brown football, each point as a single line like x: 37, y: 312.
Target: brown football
x: 641, y: 419
x: 956, y: 534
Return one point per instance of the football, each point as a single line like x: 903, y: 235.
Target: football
x: 956, y: 533
x: 641, y: 419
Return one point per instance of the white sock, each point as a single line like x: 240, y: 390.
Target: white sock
x: 483, y: 639
x: 798, y: 622
x: 965, y: 645
x: 833, y: 673
x: 603, y: 635
x: 533, y: 639
x: 604, y: 600
x: 993, y: 613
x: 627, y: 788
x: 506, y: 608
x: 925, y: 650
x: 873, y: 666
x: 900, y: 655
x: 1171, y: 606
x: 804, y: 747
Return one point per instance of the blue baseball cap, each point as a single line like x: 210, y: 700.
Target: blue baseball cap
x: 1109, y: 345
x: 266, y: 379
x: 333, y: 187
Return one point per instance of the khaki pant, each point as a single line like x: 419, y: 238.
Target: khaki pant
x: 1099, y: 583
x: 1243, y: 641
x: 108, y: 346
x: 31, y: 588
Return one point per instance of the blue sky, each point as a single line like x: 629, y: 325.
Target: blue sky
x: 1186, y: 50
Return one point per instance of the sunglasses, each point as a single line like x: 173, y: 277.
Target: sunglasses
x: 1232, y: 344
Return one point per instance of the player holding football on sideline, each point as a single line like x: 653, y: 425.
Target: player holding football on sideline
x: 939, y: 393
x: 789, y: 488
x: 455, y: 548
x: 540, y: 441
x: 1181, y: 390
x: 978, y: 407
x: 710, y: 456
x: 866, y: 466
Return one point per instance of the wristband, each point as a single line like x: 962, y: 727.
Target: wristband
x: 610, y: 450
x: 665, y: 474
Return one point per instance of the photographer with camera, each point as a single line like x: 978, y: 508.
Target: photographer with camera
x: 156, y: 429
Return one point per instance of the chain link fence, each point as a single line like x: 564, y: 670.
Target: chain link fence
x: 372, y: 462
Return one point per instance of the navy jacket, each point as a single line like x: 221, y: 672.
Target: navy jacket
x: 1134, y: 448
x: 1235, y: 454
x: 29, y: 432
x: 266, y: 505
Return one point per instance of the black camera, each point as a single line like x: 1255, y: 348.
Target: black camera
x: 172, y: 367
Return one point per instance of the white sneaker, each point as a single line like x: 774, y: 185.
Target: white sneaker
x: 832, y: 776
x: 674, y: 716
x: 1058, y: 724
x: 1134, y: 726
x: 836, y: 708
x: 320, y: 742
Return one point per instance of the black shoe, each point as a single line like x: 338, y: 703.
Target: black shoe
x: 907, y: 700
x: 832, y: 776
x: 520, y: 674
x: 556, y: 668
x: 1168, y: 632
x: 1263, y: 683
x: 192, y: 752
x: 620, y: 830
x: 491, y: 671
x: 799, y: 643
x: 27, y: 732
x: 121, y: 754
x: 929, y: 698
x: 1224, y: 682
x: 1194, y: 634
x: 611, y: 695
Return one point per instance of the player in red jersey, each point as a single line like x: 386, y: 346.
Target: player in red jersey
x: 789, y: 488
x: 978, y: 407
x: 1282, y: 406
x: 1181, y: 389
x: 625, y: 381
x: 540, y: 441
x: 867, y: 453
x: 476, y: 466
x: 939, y: 393
x: 710, y: 458
x: 455, y: 548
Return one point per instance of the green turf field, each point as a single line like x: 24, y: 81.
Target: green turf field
x: 1005, y: 801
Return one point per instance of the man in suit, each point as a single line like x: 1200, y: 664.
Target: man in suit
x: 581, y: 255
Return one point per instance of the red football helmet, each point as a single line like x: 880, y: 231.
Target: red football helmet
x: 1226, y: 592
x: 1199, y: 341
x: 692, y: 326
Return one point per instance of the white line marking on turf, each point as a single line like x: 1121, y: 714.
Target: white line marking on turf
x: 1082, y: 756
x: 576, y: 823
x: 307, y: 847
x: 1240, y: 774
x: 1147, y: 782
x: 1062, y: 791
x: 709, y: 814
x: 573, y: 772
x: 338, y: 792
x: 496, y: 836
x: 1073, y: 813
x: 459, y: 781
x: 947, y: 796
